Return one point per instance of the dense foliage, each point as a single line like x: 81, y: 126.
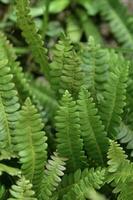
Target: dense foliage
x: 66, y: 107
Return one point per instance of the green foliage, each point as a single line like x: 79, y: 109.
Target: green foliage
x: 66, y: 72
x: 9, y: 105
x: 120, y: 172
x: 114, y: 94
x: 22, y: 190
x: 92, y: 129
x: 30, y: 33
x: 69, y: 142
x: 95, y: 63
x: 113, y: 12
x: 54, y: 170
x: 83, y: 93
x: 30, y: 143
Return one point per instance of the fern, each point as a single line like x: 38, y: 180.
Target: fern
x: 30, y: 143
x: 92, y: 177
x: 91, y: 128
x: 22, y: 190
x: 84, y: 182
x: 19, y: 78
x: 30, y: 33
x: 10, y: 170
x: 95, y: 63
x: 9, y: 106
x: 66, y: 73
x: 54, y: 170
x: 114, y: 96
x: 126, y: 136
x: 120, y: 172
x: 113, y: 12
x: 69, y: 143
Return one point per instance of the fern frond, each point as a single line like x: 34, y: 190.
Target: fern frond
x: 29, y: 31
x: 92, y: 177
x: 126, y: 136
x: 9, y: 105
x: 22, y: 190
x: 83, y: 182
x: 54, y: 170
x: 120, y: 172
x: 69, y: 143
x: 9, y: 170
x: 30, y: 143
x: 114, y: 96
x: 65, y: 70
x: 113, y: 12
x: 95, y: 64
x: 91, y: 128
x: 19, y: 78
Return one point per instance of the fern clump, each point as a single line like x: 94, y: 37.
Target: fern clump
x: 66, y: 128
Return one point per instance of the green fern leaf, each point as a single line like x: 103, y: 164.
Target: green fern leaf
x: 91, y: 128
x: 115, y: 14
x: 120, y: 172
x: 66, y: 72
x: 114, y: 96
x: 30, y: 143
x: 95, y: 63
x: 22, y: 190
x: 9, y: 106
x: 126, y: 136
x: 30, y: 33
x: 83, y: 183
x: 9, y: 170
x: 69, y: 143
x: 54, y: 170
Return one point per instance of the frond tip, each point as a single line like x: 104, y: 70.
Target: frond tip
x: 69, y: 142
x: 22, y: 190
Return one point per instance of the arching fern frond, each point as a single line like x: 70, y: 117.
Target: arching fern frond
x: 9, y: 106
x: 120, y: 172
x: 69, y: 143
x: 29, y: 31
x: 65, y: 70
x: 91, y: 128
x: 126, y: 136
x: 115, y: 93
x: 30, y: 143
x: 115, y: 14
x: 19, y: 78
x: 54, y: 170
x: 92, y: 177
x: 22, y: 190
x: 83, y: 182
x: 95, y: 64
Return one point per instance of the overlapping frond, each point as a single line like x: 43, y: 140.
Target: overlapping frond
x: 54, y: 170
x: 92, y: 129
x: 22, y: 190
x: 125, y: 136
x: 65, y: 70
x: 113, y: 12
x: 120, y: 172
x: 31, y: 35
x: 95, y: 64
x: 115, y: 94
x: 79, y: 184
x: 30, y: 143
x: 9, y: 105
x: 69, y: 142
